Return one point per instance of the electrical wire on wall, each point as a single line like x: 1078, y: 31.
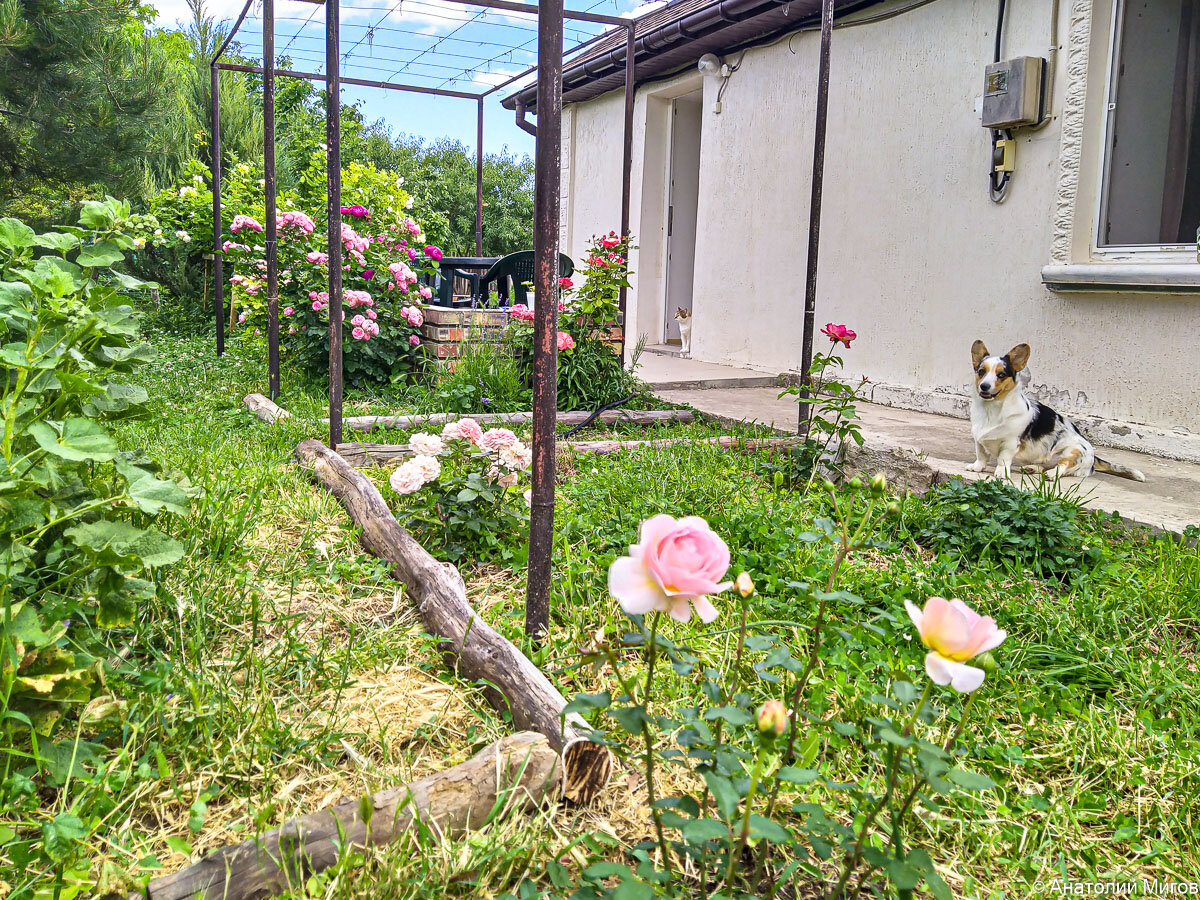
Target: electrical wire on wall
x: 998, y: 181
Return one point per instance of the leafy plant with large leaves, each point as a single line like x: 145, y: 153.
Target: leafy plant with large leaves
x: 77, y: 547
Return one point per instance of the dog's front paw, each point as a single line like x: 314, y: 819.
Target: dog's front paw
x: 1003, y: 473
x: 976, y: 466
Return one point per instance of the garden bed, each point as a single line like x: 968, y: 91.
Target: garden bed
x: 280, y: 671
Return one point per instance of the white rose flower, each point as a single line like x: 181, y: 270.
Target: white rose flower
x: 428, y: 467
x: 407, y: 479
x: 426, y: 444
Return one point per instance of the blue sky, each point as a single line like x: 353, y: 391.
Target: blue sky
x: 431, y: 43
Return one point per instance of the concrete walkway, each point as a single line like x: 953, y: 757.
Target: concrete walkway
x: 1169, y: 498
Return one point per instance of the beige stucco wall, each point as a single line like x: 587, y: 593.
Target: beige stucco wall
x: 914, y: 256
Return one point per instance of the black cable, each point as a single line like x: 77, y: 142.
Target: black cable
x: 998, y: 181
x: 592, y: 418
x: 999, y: 30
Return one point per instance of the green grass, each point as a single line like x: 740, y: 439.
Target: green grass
x: 248, y: 704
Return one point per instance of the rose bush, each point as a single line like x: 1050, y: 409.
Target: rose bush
x: 464, y: 490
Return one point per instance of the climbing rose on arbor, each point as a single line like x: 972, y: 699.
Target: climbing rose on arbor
x: 954, y: 634
x: 675, y: 565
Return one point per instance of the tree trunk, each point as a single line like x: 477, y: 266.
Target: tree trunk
x: 519, y: 769
x: 472, y: 648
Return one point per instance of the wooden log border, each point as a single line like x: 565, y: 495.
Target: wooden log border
x: 472, y: 648
x: 519, y: 770
x: 608, y: 417
x: 265, y: 408
x: 361, y: 454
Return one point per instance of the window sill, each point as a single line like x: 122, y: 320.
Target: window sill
x: 1144, y: 278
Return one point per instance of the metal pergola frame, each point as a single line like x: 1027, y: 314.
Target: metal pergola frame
x: 547, y: 160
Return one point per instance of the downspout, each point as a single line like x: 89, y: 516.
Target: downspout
x: 526, y: 126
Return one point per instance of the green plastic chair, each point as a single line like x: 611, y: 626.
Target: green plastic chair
x: 517, y: 267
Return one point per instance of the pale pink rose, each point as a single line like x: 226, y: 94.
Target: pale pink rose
x: 425, y: 292
x: 426, y: 444
x: 470, y: 430
x: 954, y: 633
x: 241, y: 317
x: 414, y: 341
x: 391, y: 285
x: 415, y: 318
x: 507, y: 480
x: 516, y: 456
x: 529, y: 497
x: 357, y: 320
x: 494, y: 439
x: 407, y: 479
x: 674, y: 564
x: 428, y: 466
x: 451, y: 432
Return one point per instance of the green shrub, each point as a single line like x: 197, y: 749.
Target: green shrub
x: 76, y: 548
x: 994, y: 520
x: 486, y: 378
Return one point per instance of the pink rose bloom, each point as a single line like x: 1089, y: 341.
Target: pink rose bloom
x: 408, y: 479
x: 241, y: 317
x: 433, y: 253
x: 414, y: 341
x: 837, y: 333
x: 291, y: 329
x: 425, y: 292
x: 358, y: 333
x: 413, y: 228
x: 470, y: 430
x: 674, y: 564
x: 415, y: 318
x: 521, y: 312
x: 565, y: 341
x: 312, y: 295
x: 412, y: 254
x: 371, y: 314
x: 391, y: 285
x: 954, y: 633
x: 316, y: 306
x: 371, y: 328
x: 287, y: 310
x: 357, y: 320
x: 316, y: 256
x: 565, y: 284
x: 494, y: 439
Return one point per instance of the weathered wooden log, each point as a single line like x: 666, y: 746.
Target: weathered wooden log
x: 265, y: 408
x: 361, y: 453
x: 517, y: 770
x: 629, y: 416
x: 473, y: 648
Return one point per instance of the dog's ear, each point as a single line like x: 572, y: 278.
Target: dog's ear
x: 978, y: 352
x: 1018, y: 356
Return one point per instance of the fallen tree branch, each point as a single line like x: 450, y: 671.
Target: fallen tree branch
x: 362, y: 453
x: 628, y: 416
x: 518, y: 770
x: 265, y: 408
x: 472, y: 647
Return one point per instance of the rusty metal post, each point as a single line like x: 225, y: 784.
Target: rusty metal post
x: 547, y: 159
x: 269, y: 198
x: 218, y: 229
x: 627, y: 165
x: 814, y: 213
x: 333, y: 174
x: 479, y: 181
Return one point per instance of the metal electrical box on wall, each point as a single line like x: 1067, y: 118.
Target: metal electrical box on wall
x: 1013, y: 92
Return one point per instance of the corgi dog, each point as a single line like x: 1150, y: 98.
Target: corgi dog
x: 684, y: 318
x: 1017, y: 430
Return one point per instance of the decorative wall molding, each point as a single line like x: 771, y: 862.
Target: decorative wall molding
x: 1079, y: 43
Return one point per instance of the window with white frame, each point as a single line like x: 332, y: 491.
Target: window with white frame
x: 1151, y: 183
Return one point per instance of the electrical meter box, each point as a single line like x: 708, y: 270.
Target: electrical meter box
x: 1014, y: 92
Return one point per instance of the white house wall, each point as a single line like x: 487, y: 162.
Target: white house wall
x: 914, y: 256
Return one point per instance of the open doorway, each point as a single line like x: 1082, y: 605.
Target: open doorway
x: 683, y: 192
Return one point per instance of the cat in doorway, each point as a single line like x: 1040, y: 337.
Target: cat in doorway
x: 684, y: 318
